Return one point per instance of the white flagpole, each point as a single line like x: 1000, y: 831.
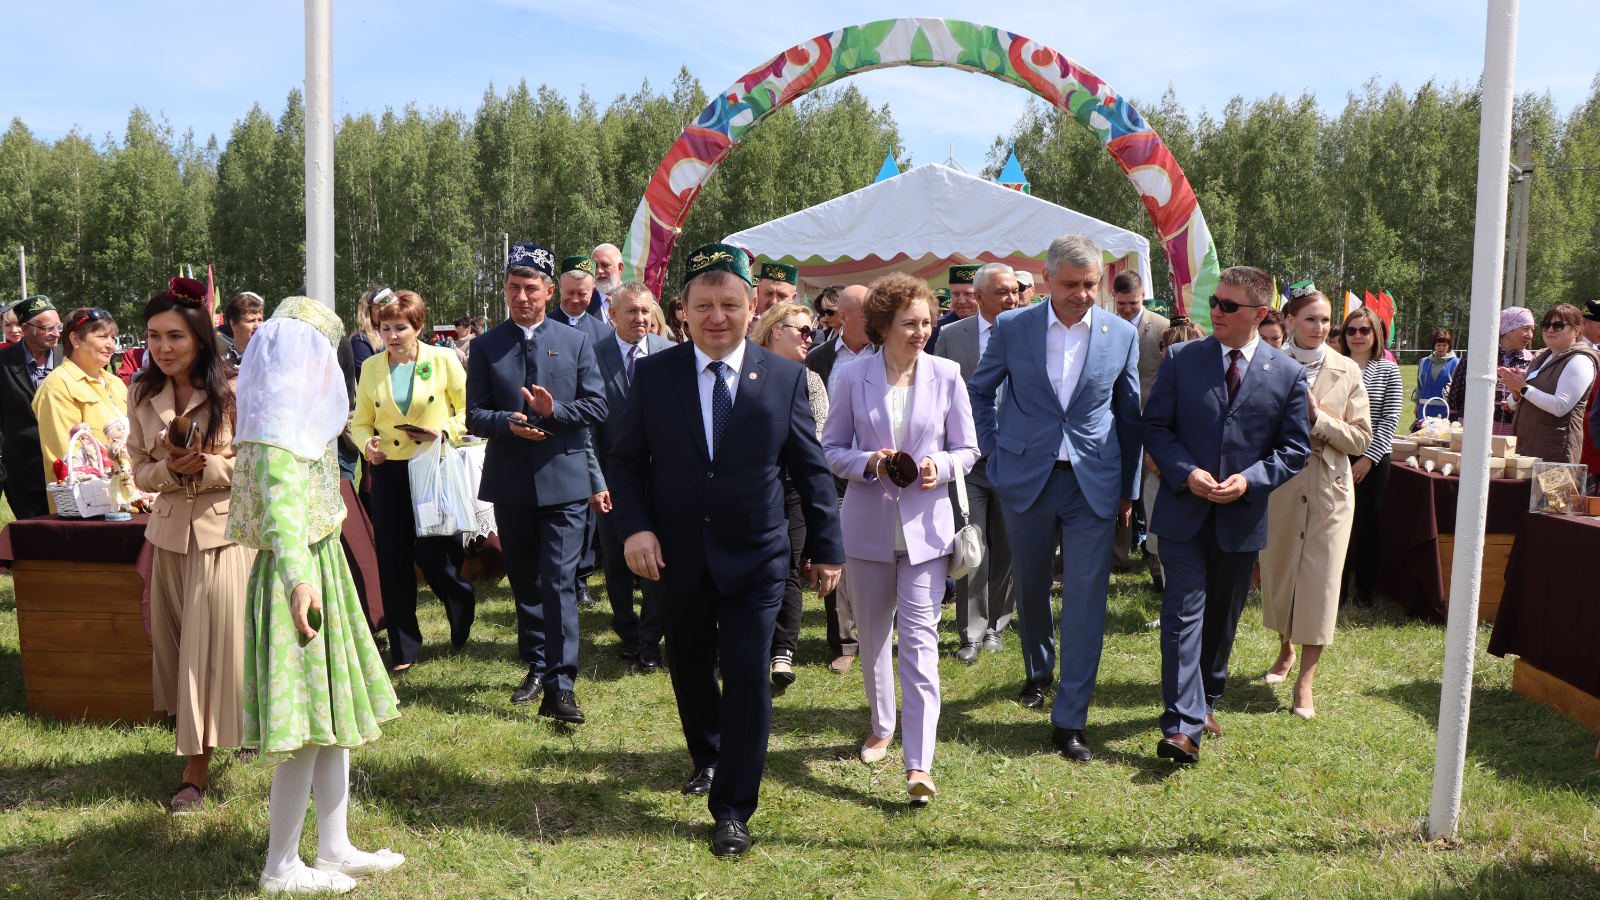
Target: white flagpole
x: 1488, y: 253
x: 22, y: 266
x: 319, y: 150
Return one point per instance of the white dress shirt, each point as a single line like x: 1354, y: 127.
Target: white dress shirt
x: 842, y: 355
x: 1249, y: 351
x: 528, y: 330
x: 707, y: 381
x: 1065, y: 348
x: 984, y: 327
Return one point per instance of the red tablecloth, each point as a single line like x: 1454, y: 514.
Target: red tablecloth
x: 1419, y: 506
x: 82, y: 540
x: 1550, y: 611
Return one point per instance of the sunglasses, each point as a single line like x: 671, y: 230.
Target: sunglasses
x: 1361, y: 331
x: 805, y: 330
x: 1556, y: 325
x: 827, y: 313
x: 1230, y: 307
x: 84, y: 318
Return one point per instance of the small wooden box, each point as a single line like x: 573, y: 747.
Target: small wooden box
x: 1450, y: 458
x: 1400, y: 449
x: 1521, y: 466
x: 1429, y: 454
x: 1497, y: 467
x: 1502, y: 445
x: 1593, y: 504
x: 1455, y: 442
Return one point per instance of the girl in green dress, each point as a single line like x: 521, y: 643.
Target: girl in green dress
x: 314, y: 684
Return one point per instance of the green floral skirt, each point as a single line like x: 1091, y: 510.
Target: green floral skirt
x: 332, y: 692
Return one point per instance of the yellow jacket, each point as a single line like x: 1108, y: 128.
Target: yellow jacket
x: 70, y: 395
x: 438, y: 401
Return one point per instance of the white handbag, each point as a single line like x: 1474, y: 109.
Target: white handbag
x: 968, y: 552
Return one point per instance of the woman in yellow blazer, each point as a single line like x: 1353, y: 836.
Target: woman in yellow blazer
x: 409, y: 394
x: 80, y: 389
x: 1309, y: 518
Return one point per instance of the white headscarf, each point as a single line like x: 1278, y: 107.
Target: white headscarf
x: 291, y: 391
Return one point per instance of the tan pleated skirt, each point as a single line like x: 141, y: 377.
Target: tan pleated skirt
x: 197, y: 609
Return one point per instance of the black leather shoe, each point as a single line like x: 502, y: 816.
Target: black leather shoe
x: 1071, y: 743
x: 967, y: 653
x: 649, y: 658
x: 585, y: 599
x: 730, y: 838
x: 630, y: 650
x: 1034, y: 692
x: 699, y: 784
x: 561, y: 706
x: 530, y: 689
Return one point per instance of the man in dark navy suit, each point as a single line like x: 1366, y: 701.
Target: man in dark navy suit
x: 1227, y: 422
x: 574, y: 285
x: 619, y: 357
x: 694, y: 478
x: 534, y: 390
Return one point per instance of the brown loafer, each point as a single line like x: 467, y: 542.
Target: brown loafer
x: 1211, y: 726
x: 1179, y: 748
x: 841, y: 664
x: 190, y: 798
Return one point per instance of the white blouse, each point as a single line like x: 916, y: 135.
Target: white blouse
x: 1572, y: 387
x: 899, y: 421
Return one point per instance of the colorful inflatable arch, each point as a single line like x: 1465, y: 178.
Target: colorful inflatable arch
x: 1012, y: 58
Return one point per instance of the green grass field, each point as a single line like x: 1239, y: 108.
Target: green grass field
x: 489, y: 801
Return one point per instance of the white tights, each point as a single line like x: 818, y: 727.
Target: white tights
x: 324, y: 771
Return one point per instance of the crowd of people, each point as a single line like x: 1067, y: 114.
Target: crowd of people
x: 717, y: 453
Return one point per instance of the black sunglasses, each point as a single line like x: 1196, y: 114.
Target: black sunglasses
x: 1230, y: 307
x: 825, y: 312
x: 1555, y: 325
x: 84, y: 318
x: 1362, y: 331
x: 805, y: 330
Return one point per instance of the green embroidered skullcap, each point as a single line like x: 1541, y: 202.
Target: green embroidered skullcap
x: 942, y: 295
x: 313, y: 313
x: 718, y: 257
x: 1302, y: 289
x: 31, y: 307
x: 963, y: 274
x: 779, y: 272
x: 577, y: 264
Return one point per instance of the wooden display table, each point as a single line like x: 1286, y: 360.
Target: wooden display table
x: 1416, y: 540
x: 1550, y: 613
x: 83, y: 617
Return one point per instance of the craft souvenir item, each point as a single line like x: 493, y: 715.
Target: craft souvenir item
x: 1593, y: 504
x: 1503, y: 445
x: 1402, y: 448
x: 82, y: 488
x: 1558, y: 488
x: 1448, y: 470
x: 1411, y: 461
x: 1433, y: 426
x: 182, y: 433
x: 902, y: 469
x: 1427, y: 464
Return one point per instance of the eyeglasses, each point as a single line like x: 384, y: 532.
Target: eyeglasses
x: 1006, y: 292
x: 805, y: 330
x: 1359, y: 331
x: 43, y: 329
x: 1230, y: 307
x: 1555, y: 325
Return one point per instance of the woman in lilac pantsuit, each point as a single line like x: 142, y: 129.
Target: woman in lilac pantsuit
x: 898, y: 540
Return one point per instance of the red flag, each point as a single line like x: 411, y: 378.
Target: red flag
x: 1393, y: 307
x: 211, y: 294
x: 1383, y: 305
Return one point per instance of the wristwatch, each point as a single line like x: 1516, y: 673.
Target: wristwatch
x: 1523, y: 392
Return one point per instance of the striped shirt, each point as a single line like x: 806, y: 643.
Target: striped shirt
x: 1382, y: 380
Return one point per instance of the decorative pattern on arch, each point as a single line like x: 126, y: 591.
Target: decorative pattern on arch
x: 1010, y: 57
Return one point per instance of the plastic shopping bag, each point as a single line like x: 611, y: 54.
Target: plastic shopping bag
x: 440, y: 498
x: 473, y: 455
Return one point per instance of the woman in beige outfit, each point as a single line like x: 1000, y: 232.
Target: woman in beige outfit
x: 197, y: 587
x: 1309, y: 517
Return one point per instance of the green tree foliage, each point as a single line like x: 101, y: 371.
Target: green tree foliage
x: 1378, y: 195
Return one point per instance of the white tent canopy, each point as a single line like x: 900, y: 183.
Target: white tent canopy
x: 925, y: 220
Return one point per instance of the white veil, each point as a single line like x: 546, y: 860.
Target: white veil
x: 291, y: 392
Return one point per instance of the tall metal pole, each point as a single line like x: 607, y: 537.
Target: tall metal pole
x: 1508, y: 292
x: 1494, y: 137
x: 505, y: 237
x: 1525, y: 194
x: 319, y: 150
x: 22, y: 266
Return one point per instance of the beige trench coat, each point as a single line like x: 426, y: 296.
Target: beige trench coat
x: 1309, y: 517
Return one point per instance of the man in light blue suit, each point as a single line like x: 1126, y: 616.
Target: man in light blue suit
x: 1227, y: 422
x: 1064, y: 456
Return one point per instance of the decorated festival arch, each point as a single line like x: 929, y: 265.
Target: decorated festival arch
x: 1009, y: 57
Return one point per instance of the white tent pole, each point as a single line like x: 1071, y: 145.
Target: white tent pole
x: 1488, y: 251
x: 319, y: 150
x: 22, y: 267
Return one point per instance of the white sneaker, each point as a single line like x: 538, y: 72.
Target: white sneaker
x: 306, y: 880
x: 363, y: 863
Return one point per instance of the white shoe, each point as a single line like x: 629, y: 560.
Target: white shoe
x: 873, y: 754
x: 369, y: 863
x: 1274, y: 678
x: 306, y: 880
x: 921, y: 788
x: 1305, y: 713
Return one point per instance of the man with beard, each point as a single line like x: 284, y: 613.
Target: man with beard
x: 607, y: 274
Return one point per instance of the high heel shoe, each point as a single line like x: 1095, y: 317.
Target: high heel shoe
x: 1305, y: 713
x: 921, y: 790
x: 1308, y: 711
x: 1275, y: 678
x: 873, y: 754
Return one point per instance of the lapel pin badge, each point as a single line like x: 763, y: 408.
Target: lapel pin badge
x: 1266, y: 366
x: 1104, y: 328
x: 553, y: 353
x: 752, y: 376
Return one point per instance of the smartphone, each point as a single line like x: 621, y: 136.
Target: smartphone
x: 414, y: 431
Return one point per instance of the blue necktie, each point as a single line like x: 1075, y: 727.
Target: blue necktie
x: 721, y: 404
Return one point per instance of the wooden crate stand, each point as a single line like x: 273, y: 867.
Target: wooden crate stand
x: 85, y: 654
x: 1496, y: 553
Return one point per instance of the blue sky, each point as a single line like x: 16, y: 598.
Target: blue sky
x: 68, y: 64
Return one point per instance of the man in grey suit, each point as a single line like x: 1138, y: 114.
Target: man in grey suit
x: 617, y: 356
x: 984, y: 598
x: 1228, y: 421
x: 1127, y: 289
